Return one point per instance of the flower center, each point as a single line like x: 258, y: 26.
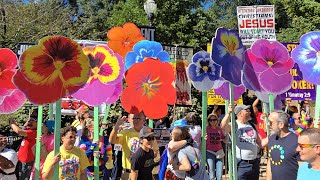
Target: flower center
x: 95, y: 72
x: 318, y: 54
x: 150, y: 86
x: 270, y: 63
x: 205, y: 68
x: 58, y: 65
x: 230, y: 43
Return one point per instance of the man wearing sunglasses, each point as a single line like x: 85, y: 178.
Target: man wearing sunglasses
x: 142, y: 161
x: 309, y: 150
x: 129, y: 139
x: 283, y: 158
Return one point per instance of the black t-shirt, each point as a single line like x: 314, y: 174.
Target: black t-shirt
x: 283, y: 156
x: 144, y: 163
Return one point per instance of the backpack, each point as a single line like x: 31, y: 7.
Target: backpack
x: 163, y: 163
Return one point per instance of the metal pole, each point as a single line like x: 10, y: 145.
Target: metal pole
x: 38, y: 143
x: 204, y: 126
x: 57, y: 137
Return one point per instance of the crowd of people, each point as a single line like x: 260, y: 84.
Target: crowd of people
x: 131, y: 150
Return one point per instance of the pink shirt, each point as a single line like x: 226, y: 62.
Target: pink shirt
x: 215, y: 136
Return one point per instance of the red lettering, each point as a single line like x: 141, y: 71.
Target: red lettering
x: 263, y: 23
x: 255, y: 23
x: 248, y: 23
x: 242, y: 25
x: 270, y: 23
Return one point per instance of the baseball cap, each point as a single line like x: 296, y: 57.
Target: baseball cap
x: 145, y: 132
x: 180, y: 123
x: 240, y: 107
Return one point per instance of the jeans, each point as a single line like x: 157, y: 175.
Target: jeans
x: 247, y: 171
x: 214, y: 166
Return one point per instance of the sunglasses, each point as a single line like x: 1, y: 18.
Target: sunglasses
x: 149, y: 138
x: 213, y: 119
x: 307, y: 145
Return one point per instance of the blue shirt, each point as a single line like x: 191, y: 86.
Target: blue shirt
x: 306, y: 172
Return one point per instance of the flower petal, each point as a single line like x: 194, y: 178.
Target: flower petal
x: 251, y: 79
x: 94, y: 93
x: 129, y: 100
x: 5, y: 79
x: 282, y: 67
x: 12, y: 102
x: 205, y: 85
x: 223, y: 91
x: 256, y: 63
x: 267, y: 80
x: 115, y: 96
x: 8, y: 59
x: 268, y: 50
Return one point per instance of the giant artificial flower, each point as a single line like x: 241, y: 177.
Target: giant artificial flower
x: 307, y: 56
x: 146, y: 49
x: 8, y: 63
x: 203, y: 71
x: 227, y: 51
x: 223, y: 91
x: 122, y: 39
x: 149, y: 88
x: 107, y: 71
x: 11, y: 99
x: 267, y: 66
x: 54, y: 68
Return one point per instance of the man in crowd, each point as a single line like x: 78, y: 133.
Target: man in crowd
x: 309, y: 150
x: 247, y: 142
x: 72, y: 161
x: 26, y: 155
x: 129, y: 140
x: 282, y: 161
x: 8, y: 160
x: 142, y: 161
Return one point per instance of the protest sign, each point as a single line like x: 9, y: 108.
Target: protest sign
x: 300, y: 89
x: 162, y: 136
x: 256, y: 22
x: 215, y: 99
x: 181, y: 57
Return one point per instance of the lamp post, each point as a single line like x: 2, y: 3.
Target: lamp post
x: 150, y: 8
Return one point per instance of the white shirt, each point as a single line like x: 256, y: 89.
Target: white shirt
x: 12, y: 156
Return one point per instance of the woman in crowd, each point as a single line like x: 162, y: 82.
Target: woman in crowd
x: 215, y: 152
x: 47, y: 144
x: 186, y: 162
x: 193, y: 120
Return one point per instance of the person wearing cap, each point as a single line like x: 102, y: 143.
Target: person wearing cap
x: 47, y: 145
x: 247, y: 142
x: 26, y: 155
x: 129, y: 140
x: 142, y: 161
x: 8, y: 160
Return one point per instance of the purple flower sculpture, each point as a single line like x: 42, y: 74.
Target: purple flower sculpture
x: 307, y: 56
x: 223, y: 91
x: 266, y: 68
x: 203, y: 71
x: 227, y: 51
x: 146, y: 49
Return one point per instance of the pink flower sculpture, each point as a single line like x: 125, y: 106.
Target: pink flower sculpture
x: 266, y: 68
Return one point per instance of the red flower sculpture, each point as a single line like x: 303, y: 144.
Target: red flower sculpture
x: 11, y: 99
x: 122, y: 39
x: 51, y: 70
x: 149, y: 88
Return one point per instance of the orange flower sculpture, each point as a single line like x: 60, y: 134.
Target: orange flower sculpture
x: 54, y: 68
x: 149, y: 88
x: 122, y: 39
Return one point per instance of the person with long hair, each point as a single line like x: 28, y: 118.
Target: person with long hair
x: 47, y: 145
x: 186, y: 162
x: 215, y: 153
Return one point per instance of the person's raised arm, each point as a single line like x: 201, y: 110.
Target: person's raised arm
x: 225, y: 123
x: 176, y: 145
x: 16, y: 128
x: 254, y: 106
x: 262, y: 142
x: 113, y: 139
